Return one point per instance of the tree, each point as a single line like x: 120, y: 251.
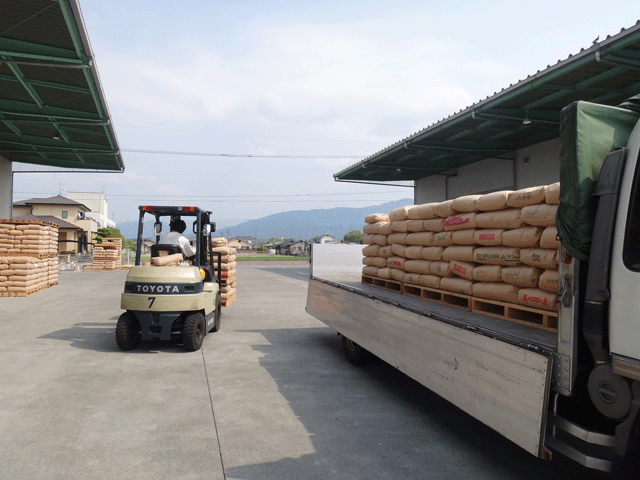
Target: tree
x: 108, y: 232
x: 128, y: 244
x: 354, y: 236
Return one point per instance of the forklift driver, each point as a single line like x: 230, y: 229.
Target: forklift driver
x: 175, y: 237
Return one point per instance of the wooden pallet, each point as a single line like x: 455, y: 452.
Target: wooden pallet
x: 381, y: 282
x: 23, y: 294
x: 441, y: 296
x: 533, y: 317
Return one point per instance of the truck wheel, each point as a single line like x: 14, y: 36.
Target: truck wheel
x: 354, y: 352
x: 218, y: 315
x: 128, y: 333
x: 193, y: 331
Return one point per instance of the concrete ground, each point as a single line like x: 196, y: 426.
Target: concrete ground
x: 270, y: 396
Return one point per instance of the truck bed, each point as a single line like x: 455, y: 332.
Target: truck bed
x: 513, y: 333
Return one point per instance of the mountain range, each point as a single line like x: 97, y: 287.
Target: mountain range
x: 297, y: 224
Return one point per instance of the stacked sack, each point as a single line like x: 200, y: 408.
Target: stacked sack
x: 28, y: 237
x: 499, y: 246
x: 28, y: 256
x: 107, y: 255
x: 228, y: 269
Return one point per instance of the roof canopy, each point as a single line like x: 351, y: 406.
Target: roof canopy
x: 518, y: 116
x: 52, y: 109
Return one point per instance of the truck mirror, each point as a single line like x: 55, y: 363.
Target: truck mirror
x: 213, y: 226
x: 157, y: 228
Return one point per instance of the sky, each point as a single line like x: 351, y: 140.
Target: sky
x: 319, y: 84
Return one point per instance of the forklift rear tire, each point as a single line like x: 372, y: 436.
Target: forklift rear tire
x: 193, y: 330
x: 218, y: 315
x: 354, y: 352
x: 128, y: 333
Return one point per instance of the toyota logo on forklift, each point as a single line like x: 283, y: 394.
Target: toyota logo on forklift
x: 157, y: 289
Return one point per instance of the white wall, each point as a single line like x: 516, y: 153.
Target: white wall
x: 6, y: 188
x: 97, y: 203
x: 535, y: 165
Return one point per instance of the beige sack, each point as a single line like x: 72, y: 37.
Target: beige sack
x: 462, y: 269
x: 549, y: 238
x: 370, y: 271
x: 400, y: 238
x: 401, y: 213
x: 524, y: 237
x: 174, y: 259
x: 218, y: 241
x: 395, y: 262
x: 539, y: 257
x: 506, y: 219
x: 380, y: 240
x: 442, y: 269
x: 396, y: 274
x: 398, y: 249
x: 527, y: 196
x: 415, y: 226
x: 431, y: 281
x: 433, y: 254
x: 424, y: 239
x: 493, y: 201
x: 553, y: 194
x: 504, y: 256
x: 521, y: 276
x: 376, y: 217
x: 458, y: 252
x: 385, y: 252
x: 457, y: 285
x: 384, y: 228
x: 549, y: 281
x: 368, y: 239
x: 487, y: 273
x: 467, y: 203
x: 502, y: 292
x: 463, y: 237
x: 488, y: 238
x: 413, y: 252
x: 542, y: 215
x: 384, y: 273
x: 444, y: 209
x: 536, y: 298
x: 422, y: 212
x: 371, y: 250
x: 442, y: 239
x: 400, y: 226
x: 434, y: 225
x: 411, y: 278
x: 379, y: 262
x: 371, y: 228
x: 460, y: 222
x: 417, y: 266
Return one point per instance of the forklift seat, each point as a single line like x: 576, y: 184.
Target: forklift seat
x: 160, y: 250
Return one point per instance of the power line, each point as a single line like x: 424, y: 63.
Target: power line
x: 237, y: 155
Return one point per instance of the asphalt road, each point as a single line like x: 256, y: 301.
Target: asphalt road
x: 270, y: 396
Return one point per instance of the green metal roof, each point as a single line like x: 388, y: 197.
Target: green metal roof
x: 52, y: 109
x: 608, y: 72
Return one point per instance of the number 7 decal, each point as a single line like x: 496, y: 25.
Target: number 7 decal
x: 153, y: 299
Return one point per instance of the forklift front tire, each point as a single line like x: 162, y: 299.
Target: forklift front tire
x: 128, y: 333
x: 193, y: 330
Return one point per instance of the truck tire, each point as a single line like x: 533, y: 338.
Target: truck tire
x: 354, y: 352
x: 128, y: 333
x: 193, y: 331
x: 218, y: 315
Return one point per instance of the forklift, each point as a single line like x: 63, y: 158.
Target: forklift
x: 174, y: 297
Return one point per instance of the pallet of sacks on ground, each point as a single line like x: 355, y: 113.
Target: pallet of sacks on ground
x: 28, y: 257
x: 228, y: 270
x: 107, y: 255
x: 495, y: 254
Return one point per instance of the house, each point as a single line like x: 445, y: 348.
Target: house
x: 291, y: 247
x: 146, y: 246
x: 241, y: 244
x: 77, y: 231
x: 323, y: 239
x: 97, y: 203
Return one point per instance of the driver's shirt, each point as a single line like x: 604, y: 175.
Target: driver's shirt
x: 176, y: 238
